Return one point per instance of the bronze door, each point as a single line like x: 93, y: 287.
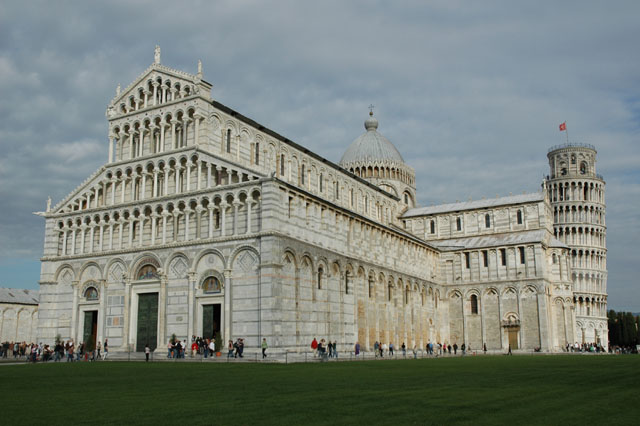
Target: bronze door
x: 147, y: 321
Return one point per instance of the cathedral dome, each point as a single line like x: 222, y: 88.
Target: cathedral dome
x: 371, y: 147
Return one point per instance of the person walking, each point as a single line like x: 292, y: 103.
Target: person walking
x: 264, y: 348
x: 376, y: 347
x: 335, y: 349
x: 415, y: 352
x: 404, y: 350
x: 230, y: 349
x: 484, y: 348
x: 357, y: 349
x: 509, y: 353
x: 314, y: 346
x: 147, y: 351
x: 106, y: 349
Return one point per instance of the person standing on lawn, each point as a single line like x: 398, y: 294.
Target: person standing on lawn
x: 147, y: 351
x: 264, y: 348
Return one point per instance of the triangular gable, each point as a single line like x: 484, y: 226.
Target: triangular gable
x: 152, y: 73
x: 88, y: 183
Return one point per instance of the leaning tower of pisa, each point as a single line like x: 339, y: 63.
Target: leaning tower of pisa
x: 576, y: 192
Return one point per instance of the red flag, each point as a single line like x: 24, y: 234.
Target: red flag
x: 563, y: 127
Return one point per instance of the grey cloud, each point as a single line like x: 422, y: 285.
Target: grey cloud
x: 471, y: 93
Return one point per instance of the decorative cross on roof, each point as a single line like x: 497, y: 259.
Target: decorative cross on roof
x: 371, y: 107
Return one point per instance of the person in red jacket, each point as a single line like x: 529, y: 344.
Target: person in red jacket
x: 314, y: 346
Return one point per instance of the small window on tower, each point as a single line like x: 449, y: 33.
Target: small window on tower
x: 519, y: 217
x: 467, y: 260
x: 459, y: 224
x: 433, y: 226
x: 228, y: 140
x: 487, y: 221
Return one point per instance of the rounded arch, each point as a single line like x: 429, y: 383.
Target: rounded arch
x: 290, y: 254
x: 87, y: 267
x: 211, y: 281
x: 207, y: 252
x: 115, y: 269
x: 175, y: 267
x: 60, y: 273
x: 91, y: 291
x: 243, y: 248
x: 142, y: 258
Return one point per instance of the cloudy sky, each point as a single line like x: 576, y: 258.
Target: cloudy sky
x: 471, y: 93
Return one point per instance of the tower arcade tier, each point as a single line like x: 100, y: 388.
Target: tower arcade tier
x: 576, y: 193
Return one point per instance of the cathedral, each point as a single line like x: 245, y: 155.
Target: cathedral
x: 203, y: 222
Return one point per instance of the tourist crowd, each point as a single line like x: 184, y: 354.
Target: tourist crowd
x: 34, y: 352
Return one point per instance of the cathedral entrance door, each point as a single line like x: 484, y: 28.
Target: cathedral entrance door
x: 513, y: 338
x: 90, y: 329
x: 147, y: 321
x: 211, y: 321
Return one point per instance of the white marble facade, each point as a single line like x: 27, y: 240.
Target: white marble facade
x: 200, y: 206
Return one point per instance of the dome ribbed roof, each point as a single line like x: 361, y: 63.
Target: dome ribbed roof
x: 371, y: 146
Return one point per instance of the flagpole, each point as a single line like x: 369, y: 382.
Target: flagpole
x: 566, y: 130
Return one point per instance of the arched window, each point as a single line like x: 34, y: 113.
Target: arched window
x: 433, y: 226
x: 347, y: 283
x: 229, y: 140
x: 406, y: 198
x: 257, y: 153
x: 519, y: 217
x: 147, y: 272
x: 371, y: 287
x: 320, y: 182
x: 583, y: 168
x: 91, y: 293
x: 406, y: 296
x: 211, y: 285
x: 320, y: 277
x: 281, y: 164
x: 459, y: 224
x: 474, y: 304
x: 302, y: 174
x: 554, y: 257
x: 487, y: 221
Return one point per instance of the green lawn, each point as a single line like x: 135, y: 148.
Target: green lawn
x: 495, y: 390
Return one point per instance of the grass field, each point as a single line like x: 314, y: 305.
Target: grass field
x: 495, y: 390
